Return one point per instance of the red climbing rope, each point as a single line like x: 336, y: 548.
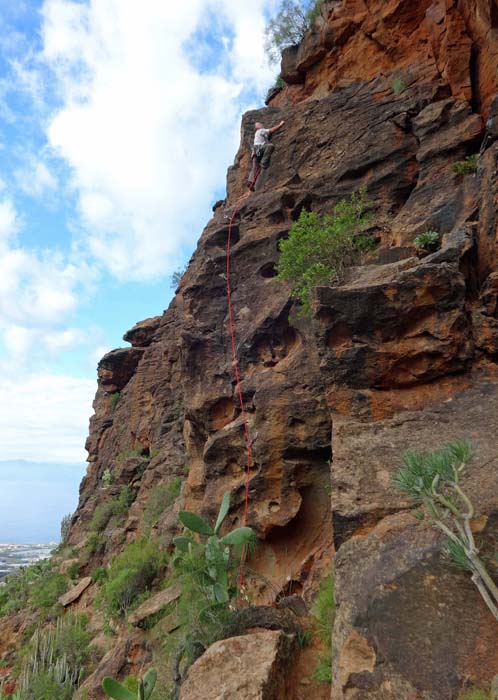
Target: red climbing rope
x: 234, y: 354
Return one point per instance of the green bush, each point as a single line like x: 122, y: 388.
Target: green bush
x: 427, y: 240
x: 289, y: 26
x: 130, y: 574
x: 95, y: 543
x: 467, y: 166
x: 476, y: 694
x: 115, y: 399
x: 35, y: 586
x: 99, y: 575
x: 101, y: 516
x: 319, y: 249
x: 162, y: 497
x: 113, y: 508
x: 74, y: 570
x: 323, y: 612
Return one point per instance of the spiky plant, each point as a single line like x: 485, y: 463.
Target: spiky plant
x: 56, y: 662
x: 432, y: 479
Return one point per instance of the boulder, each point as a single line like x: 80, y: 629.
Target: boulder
x: 252, y: 667
x: 75, y: 592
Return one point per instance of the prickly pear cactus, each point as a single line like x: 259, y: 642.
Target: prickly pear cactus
x: 117, y: 691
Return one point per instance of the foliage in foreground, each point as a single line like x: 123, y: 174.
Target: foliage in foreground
x: 56, y: 661
x: 432, y: 479
x: 319, y: 249
x: 145, y: 687
x: 289, y: 26
x: 323, y: 612
x: 206, y: 567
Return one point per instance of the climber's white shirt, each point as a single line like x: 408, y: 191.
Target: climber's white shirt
x: 261, y: 137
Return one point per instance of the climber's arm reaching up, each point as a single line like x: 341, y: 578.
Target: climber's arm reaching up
x: 277, y: 127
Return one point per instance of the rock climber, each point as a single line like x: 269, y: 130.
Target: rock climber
x: 262, y: 150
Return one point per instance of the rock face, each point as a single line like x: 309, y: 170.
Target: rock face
x: 253, y: 667
x: 387, y: 94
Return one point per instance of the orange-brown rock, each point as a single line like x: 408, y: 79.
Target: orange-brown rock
x: 254, y: 667
x: 402, y: 353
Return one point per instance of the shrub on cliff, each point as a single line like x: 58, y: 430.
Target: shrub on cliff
x: 36, y: 586
x: 116, y: 507
x: 131, y: 574
x: 162, y: 497
x: 289, y: 26
x: 319, y: 249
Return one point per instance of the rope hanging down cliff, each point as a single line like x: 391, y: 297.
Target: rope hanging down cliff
x: 260, y: 156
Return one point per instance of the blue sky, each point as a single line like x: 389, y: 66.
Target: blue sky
x: 118, y: 120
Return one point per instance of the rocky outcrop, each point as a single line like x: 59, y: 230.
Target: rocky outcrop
x: 403, y: 353
x: 253, y: 667
x: 154, y: 605
x: 75, y: 592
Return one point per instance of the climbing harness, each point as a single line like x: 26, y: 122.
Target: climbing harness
x: 235, y: 360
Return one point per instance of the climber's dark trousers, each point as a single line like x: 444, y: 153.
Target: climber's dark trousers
x: 263, y: 157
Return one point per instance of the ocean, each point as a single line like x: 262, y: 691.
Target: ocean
x: 34, y: 497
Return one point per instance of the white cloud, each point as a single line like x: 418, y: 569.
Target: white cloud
x: 148, y: 136
x: 9, y: 223
x: 45, y: 417
x: 39, y: 293
x: 36, y: 179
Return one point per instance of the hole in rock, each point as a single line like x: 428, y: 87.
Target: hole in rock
x: 290, y: 543
x: 340, y: 335
x: 219, y: 238
x: 293, y: 587
x: 475, y: 100
x: 276, y: 217
x: 494, y: 14
x: 272, y: 347
x: 280, y: 237
x: 288, y: 200
x: 268, y: 270
x: 304, y: 203
x: 221, y: 413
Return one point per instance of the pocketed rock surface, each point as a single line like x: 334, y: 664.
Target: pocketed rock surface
x: 402, y: 354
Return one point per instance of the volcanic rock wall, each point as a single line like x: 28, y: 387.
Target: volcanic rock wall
x: 402, y: 354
